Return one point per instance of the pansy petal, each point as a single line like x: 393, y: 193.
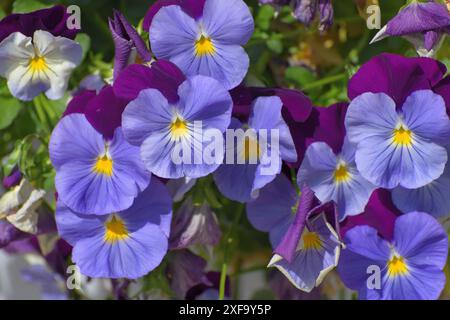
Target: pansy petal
x: 172, y: 32
x: 228, y: 21
x: 363, y: 249
x: 425, y: 115
x: 421, y: 240
x: 197, y: 104
x: 383, y: 117
x: 431, y: 198
x: 148, y: 113
x: 274, y: 204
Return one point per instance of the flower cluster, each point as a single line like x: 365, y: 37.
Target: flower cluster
x: 355, y: 186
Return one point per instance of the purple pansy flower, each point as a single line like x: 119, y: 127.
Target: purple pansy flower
x: 316, y: 255
x: 335, y: 178
x: 127, y: 43
x: 255, y: 161
x: 125, y: 244
x: 161, y: 75
x: 398, y: 77
x: 432, y: 198
x: 403, y: 147
x: 210, y: 45
x: 53, y: 20
x: 410, y: 265
x: 95, y: 175
x: 423, y: 24
x: 162, y: 130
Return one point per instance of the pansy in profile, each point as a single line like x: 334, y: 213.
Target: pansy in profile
x: 172, y: 136
x: 95, y: 174
x: 255, y: 152
x: 317, y: 253
x: 399, y: 147
x: 409, y: 265
x: 41, y: 63
x: 122, y: 244
x: 424, y: 24
x: 335, y: 178
x: 209, y: 45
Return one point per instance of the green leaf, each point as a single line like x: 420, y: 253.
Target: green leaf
x: 85, y: 42
x: 264, y: 17
x: 9, y: 108
x: 299, y: 76
x: 275, y: 44
x: 25, y: 6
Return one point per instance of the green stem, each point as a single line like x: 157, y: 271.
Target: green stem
x: 324, y: 81
x: 43, y: 121
x: 229, y: 240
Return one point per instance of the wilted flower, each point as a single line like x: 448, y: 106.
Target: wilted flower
x: 424, y: 24
x: 316, y: 255
x: 125, y: 244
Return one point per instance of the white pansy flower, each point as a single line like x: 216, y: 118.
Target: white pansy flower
x: 39, y: 64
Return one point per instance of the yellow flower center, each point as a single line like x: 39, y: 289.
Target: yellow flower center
x: 178, y: 128
x: 104, y: 165
x: 311, y: 240
x: 397, y: 266
x: 204, y: 46
x: 38, y: 64
x: 115, y: 230
x: 341, y: 174
x: 251, y: 151
x: 402, y: 137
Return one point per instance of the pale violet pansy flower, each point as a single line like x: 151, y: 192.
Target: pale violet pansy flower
x: 42, y: 63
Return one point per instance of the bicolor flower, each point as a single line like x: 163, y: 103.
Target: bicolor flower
x: 122, y: 244
x: 127, y: 42
x: 256, y: 157
x: 210, y: 45
x: 53, y: 19
x: 95, y: 175
x: 431, y: 198
x: 335, y: 178
x: 409, y: 266
x: 41, y: 63
x: 402, y: 147
x: 317, y: 253
x: 164, y: 130
x: 424, y: 24
x: 274, y: 209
